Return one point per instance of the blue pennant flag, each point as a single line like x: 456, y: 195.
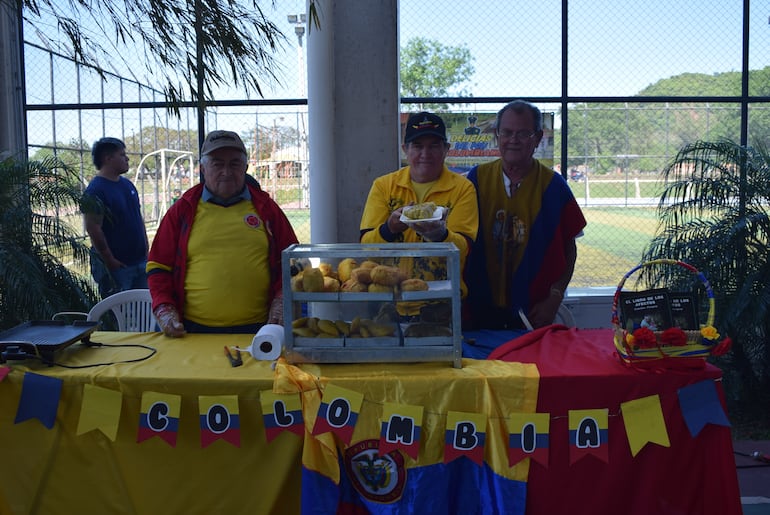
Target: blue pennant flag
x: 700, y: 406
x: 39, y: 399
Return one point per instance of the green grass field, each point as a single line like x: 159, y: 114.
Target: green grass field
x: 612, y: 244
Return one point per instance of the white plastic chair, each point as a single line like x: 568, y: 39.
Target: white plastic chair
x: 132, y: 310
x: 564, y: 316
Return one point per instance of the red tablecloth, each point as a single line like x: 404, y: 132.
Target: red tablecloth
x: 579, y: 370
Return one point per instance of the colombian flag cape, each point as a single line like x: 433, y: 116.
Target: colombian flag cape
x: 519, y: 250
x: 354, y: 478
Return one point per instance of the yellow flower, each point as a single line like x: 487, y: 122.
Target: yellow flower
x: 709, y: 332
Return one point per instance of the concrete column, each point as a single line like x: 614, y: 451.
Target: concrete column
x: 353, y: 111
x: 13, y: 134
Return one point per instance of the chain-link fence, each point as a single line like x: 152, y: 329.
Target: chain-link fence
x: 627, y: 85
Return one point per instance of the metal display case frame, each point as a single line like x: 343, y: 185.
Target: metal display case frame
x: 374, y: 350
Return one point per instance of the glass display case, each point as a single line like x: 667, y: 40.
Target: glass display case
x: 354, y: 303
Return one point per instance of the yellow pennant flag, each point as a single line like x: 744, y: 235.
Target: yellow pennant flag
x: 100, y: 410
x: 644, y: 423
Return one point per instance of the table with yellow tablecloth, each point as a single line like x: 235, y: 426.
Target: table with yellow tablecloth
x: 56, y: 470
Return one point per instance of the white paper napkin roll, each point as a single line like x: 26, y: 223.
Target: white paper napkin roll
x: 268, y: 342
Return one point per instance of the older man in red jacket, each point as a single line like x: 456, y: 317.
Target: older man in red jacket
x: 215, y: 262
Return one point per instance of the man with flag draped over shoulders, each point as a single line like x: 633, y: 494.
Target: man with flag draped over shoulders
x: 525, y: 251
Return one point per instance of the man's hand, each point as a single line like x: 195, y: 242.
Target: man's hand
x: 431, y: 231
x: 395, y: 225
x: 544, y: 312
x: 275, y: 316
x: 113, y: 264
x: 435, y: 230
x: 168, y: 320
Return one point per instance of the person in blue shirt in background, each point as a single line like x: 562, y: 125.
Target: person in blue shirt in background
x: 113, y: 220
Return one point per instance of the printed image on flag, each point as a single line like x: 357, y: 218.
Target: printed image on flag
x: 361, y: 478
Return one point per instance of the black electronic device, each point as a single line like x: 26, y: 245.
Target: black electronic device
x: 41, y: 339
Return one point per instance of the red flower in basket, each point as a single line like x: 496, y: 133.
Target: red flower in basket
x: 722, y: 347
x: 644, y: 338
x: 673, y: 337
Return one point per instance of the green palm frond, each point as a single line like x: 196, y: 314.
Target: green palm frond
x: 39, y: 250
x: 715, y: 214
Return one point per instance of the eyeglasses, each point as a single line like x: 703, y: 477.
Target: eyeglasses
x: 521, y: 135
x: 217, y: 165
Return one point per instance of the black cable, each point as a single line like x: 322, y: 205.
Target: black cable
x: 90, y: 343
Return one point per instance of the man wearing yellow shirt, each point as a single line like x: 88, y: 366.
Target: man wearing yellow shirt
x: 215, y: 262
x: 425, y: 179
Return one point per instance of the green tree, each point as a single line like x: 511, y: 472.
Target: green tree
x: 598, y: 133
x: 714, y: 215
x: 72, y: 153
x: 430, y: 69
x: 155, y: 137
x: 37, y: 243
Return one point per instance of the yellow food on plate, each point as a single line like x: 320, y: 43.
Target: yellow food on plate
x: 387, y: 275
x: 420, y: 211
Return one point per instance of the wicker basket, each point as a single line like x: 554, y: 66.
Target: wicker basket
x: 699, y: 343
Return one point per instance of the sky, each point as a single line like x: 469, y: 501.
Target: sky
x: 616, y: 48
